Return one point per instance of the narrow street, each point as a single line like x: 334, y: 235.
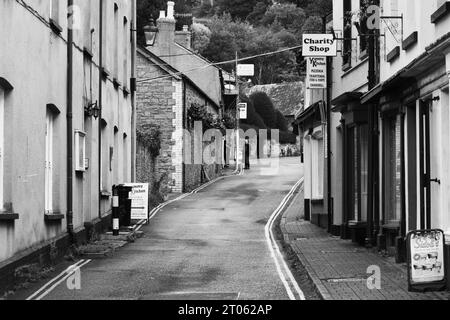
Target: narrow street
x: 210, y: 245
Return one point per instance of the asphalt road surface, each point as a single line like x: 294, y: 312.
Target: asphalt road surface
x: 209, y: 245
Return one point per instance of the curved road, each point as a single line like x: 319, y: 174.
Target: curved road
x: 209, y: 245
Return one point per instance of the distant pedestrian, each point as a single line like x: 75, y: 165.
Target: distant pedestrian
x: 247, y: 154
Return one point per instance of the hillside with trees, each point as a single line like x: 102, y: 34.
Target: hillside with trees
x: 248, y: 28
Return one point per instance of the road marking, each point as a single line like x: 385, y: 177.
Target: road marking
x: 63, y: 275
x: 287, y: 278
x: 71, y: 269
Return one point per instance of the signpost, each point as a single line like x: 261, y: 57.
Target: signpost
x: 242, y: 111
x: 426, y: 269
x: 139, y: 200
x: 245, y: 70
x: 319, y: 45
x: 316, y: 73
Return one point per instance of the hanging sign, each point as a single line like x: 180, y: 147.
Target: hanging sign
x: 426, y: 268
x: 139, y: 200
x: 319, y: 45
x: 246, y: 70
x: 242, y: 111
x: 316, y: 73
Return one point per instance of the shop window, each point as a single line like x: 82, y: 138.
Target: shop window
x: 359, y: 173
x: 392, y: 165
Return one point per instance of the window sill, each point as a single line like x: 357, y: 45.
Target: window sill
x: 363, y: 55
x: 105, y: 194
x: 347, y: 66
x: 105, y: 73
x: 53, y: 216
x: 440, y: 13
x: 56, y: 28
x: 357, y: 224
x: 126, y: 91
x: 410, y: 40
x: 116, y: 83
x: 8, y: 217
x: 393, y: 55
x: 88, y: 53
x: 395, y: 226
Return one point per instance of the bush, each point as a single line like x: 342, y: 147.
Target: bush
x: 150, y: 137
x: 264, y: 107
x: 282, y: 124
x: 253, y: 118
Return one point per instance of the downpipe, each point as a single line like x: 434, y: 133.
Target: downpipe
x: 70, y: 228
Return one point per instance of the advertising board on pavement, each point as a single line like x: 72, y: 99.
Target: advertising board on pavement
x: 139, y: 200
x: 426, y: 269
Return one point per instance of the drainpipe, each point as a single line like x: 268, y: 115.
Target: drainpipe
x: 70, y: 129
x: 133, y: 92
x: 100, y: 104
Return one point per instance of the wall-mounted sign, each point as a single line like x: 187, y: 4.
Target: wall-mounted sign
x: 242, y: 111
x: 246, y: 70
x: 319, y: 45
x: 139, y: 200
x: 316, y: 73
x: 426, y: 270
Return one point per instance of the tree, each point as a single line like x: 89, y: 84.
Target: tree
x: 288, y: 15
x: 264, y: 107
x: 236, y: 8
x: 282, y: 124
x: 253, y: 118
x: 201, y: 36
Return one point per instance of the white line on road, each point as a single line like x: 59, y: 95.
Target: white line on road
x: 71, y: 269
x: 288, y: 279
x: 65, y: 274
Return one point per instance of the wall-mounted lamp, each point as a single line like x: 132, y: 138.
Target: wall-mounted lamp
x: 92, y: 110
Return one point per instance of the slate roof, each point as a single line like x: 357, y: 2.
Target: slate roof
x: 287, y: 97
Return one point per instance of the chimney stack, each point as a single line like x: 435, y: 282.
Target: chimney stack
x: 166, y: 26
x: 184, y: 37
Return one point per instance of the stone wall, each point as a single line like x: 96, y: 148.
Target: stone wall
x: 156, y: 104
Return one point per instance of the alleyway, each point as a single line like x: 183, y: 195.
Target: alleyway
x: 210, y: 245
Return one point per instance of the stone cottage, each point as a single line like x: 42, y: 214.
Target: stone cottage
x: 172, y: 79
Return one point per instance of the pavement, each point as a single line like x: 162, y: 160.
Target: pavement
x: 208, y: 245
x: 338, y: 268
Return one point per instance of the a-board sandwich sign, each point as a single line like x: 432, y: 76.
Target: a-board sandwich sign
x: 139, y: 200
x: 426, y: 269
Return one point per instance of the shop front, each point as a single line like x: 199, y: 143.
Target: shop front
x: 354, y: 133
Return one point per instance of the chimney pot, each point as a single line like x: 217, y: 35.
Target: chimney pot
x: 162, y: 14
x: 170, y: 10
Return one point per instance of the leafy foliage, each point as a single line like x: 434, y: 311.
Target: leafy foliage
x: 201, y: 36
x: 150, y: 137
x: 264, y: 107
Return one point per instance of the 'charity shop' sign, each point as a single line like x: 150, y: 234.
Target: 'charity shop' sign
x: 316, y: 73
x: 426, y: 269
x: 319, y: 45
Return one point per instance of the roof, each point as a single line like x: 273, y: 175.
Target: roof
x: 170, y: 70
x: 196, y: 68
x: 287, y: 97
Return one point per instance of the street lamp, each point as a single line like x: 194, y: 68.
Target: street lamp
x: 150, y: 32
